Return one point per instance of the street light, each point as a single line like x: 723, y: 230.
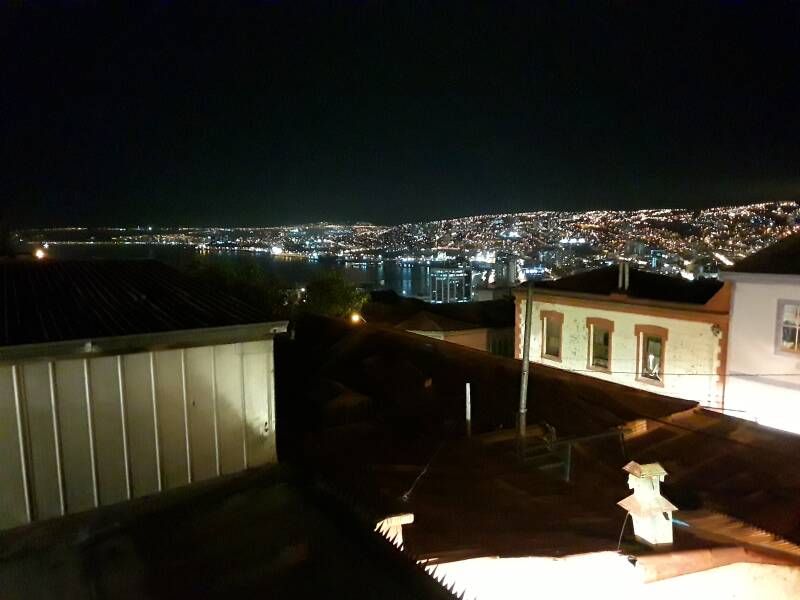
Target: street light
x: 356, y: 318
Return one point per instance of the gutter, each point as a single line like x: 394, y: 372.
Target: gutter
x: 144, y: 342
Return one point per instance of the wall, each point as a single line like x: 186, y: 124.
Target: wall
x: 471, y: 338
x: 101, y: 430
x: 691, y: 361
x: 498, y: 341
x: 762, y: 383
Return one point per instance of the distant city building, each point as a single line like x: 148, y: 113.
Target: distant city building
x: 763, y: 367
x: 645, y: 330
x: 120, y: 379
x: 450, y: 285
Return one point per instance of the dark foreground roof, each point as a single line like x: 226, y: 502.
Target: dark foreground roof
x: 427, y: 321
x: 261, y: 534
x: 477, y: 499
x: 643, y: 284
x: 55, y: 301
x: 781, y: 258
x: 388, y: 308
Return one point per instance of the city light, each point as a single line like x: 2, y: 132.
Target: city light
x: 40, y: 254
x: 356, y: 318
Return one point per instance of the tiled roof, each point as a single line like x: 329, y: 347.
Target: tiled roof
x: 55, y: 301
x: 643, y: 285
x: 781, y: 258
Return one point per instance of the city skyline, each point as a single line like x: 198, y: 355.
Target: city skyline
x: 545, y: 244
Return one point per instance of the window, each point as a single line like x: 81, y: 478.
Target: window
x: 651, y: 343
x: 552, y: 324
x: 599, y: 353
x: 653, y: 351
x: 790, y: 326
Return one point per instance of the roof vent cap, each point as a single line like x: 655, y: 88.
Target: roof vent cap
x: 650, y: 511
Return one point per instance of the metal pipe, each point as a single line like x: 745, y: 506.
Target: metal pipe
x: 159, y: 474
x: 244, y: 406
x: 23, y: 455
x: 468, y: 409
x: 90, y: 421
x: 214, y: 406
x: 526, y: 363
x: 186, y: 417
x: 56, y: 437
x: 123, y: 415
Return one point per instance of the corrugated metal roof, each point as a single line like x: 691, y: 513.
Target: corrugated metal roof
x: 56, y: 301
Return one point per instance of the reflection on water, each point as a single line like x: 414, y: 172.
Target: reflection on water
x: 407, y: 280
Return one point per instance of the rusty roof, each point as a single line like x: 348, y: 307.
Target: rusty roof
x: 56, y: 301
x: 477, y: 499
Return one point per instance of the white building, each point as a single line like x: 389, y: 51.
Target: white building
x: 119, y: 379
x: 645, y: 330
x: 763, y: 367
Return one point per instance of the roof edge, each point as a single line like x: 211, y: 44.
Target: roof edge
x: 622, y: 299
x: 143, y: 342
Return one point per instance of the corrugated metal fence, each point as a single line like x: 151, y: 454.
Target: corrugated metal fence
x: 81, y: 433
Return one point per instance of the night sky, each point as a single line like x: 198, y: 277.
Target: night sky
x: 273, y: 113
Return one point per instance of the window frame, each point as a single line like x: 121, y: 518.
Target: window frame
x: 592, y: 324
x: 642, y: 331
x: 547, y: 318
x: 779, y: 349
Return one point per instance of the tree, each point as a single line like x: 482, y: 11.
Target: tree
x: 331, y: 295
x: 246, y: 280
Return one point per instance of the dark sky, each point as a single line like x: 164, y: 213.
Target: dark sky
x: 283, y: 112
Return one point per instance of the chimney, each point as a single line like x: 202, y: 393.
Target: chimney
x: 624, y: 276
x: 650, y: 511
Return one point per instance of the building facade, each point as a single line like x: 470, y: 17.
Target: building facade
x: 450, y: 284
x: 763, y: 368
x: 643, y: 330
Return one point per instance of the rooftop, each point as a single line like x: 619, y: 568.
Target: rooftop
x: 733, y: 481
x: 56, y: 301
x: 428, y: 321
x: 263, y: 533
x: 643, y: 285
x: 781, y: 258
x: 387, y: 307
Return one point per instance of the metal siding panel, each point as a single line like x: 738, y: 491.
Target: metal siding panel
x: 109, y: 451
x: 44, y: 470
x: 256, y: 402
x: 229, y: 407
x: 12, y: 493
x: 172, y: 435
x: 199, y: 364
x: 141, y: 436
x: 74, y: 435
